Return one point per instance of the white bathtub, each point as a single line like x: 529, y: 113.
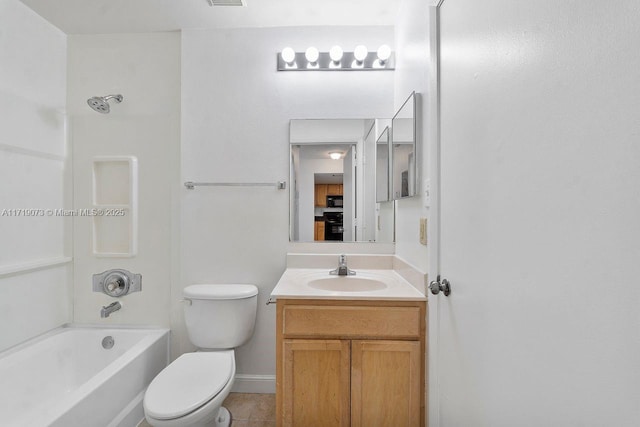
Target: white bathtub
x: 65, y: 378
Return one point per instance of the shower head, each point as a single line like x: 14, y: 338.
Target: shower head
x: 101, y: 103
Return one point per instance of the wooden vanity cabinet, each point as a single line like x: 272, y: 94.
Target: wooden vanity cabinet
x: 350, y: 363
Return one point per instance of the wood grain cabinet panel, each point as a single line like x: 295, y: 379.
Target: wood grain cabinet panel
x: 321, y: 195
x: 319, y: 230
x: 385, y: 383
x: 351, y: 322
x: 316, y: 379
x: 334, y: 189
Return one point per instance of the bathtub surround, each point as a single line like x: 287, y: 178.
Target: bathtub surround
x: 145, y: 68
x: 35, y: 173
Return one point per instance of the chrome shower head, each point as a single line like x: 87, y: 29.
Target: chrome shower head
x: 101, y: 103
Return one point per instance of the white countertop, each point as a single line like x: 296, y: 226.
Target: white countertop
x: 292, y: 285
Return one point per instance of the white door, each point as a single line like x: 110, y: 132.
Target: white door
x: 540, y: 214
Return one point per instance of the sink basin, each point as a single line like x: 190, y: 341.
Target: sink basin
x: 347, y: 284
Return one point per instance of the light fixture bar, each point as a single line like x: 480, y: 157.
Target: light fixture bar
x: 225, y: 2
x: 347, y: 63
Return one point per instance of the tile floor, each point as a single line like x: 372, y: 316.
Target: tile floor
x: 248, y: 410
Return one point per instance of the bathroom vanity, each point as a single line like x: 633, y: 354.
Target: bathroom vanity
x: 350, y: 350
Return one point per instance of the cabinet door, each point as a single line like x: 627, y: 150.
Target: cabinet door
x: 319, y: 230
x: 321, y: 195
x: 316, y: 378
x: 334, y: 189
x: 385, y: 383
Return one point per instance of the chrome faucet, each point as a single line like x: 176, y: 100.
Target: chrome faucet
x: 342, y: 269
x: 108, y: 309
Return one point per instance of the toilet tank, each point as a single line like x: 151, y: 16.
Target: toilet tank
x: 220, y: 316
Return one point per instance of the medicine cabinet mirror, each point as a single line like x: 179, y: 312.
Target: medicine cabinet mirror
x: 333, y: 182
x: 403, y: 150
x: 382, y: 166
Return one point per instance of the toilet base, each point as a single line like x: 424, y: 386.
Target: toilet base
x: 224, y: 418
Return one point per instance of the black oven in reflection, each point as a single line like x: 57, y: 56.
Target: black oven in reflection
x: 333, y: 227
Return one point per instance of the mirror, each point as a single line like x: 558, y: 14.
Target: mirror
x: 334, y: 198
x: 403, y: 151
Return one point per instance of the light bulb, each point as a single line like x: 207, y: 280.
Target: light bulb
x: 288, y: 55
x: 384, y: 53
x: 360, y: 53
x: 335, y: 53
x: 312, y: 55
x: 335, y: 155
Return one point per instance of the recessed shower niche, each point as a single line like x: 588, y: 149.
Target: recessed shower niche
x: 115, y: 206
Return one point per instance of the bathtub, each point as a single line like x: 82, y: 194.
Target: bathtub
x: 65, y: 378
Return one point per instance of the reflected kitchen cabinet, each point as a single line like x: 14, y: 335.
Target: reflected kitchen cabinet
x: 324, y: 190
x: 334, y: 189
x: 321, y: 195
x: 319, y: 231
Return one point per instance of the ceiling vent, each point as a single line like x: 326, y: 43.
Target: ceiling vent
x: 226, y: 2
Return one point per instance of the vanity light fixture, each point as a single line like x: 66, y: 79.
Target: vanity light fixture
x: 226, y: 3
x: 335, y: 155
x: 335, y: 54
x: 384, y: 53
x: 336, y: 59
x: 360, y: 53
x: 311, y: 55
x: 289, y: 57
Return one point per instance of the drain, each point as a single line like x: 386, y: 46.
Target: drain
x: 107, y: 342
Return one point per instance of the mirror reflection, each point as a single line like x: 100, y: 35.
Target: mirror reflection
x: 403, y: 140
x: 333, y: 187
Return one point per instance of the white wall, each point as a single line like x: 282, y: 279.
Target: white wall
x: 145, y: 69
x: 34, y: 174
x: 413, y: 74
x: 236, y: 111
x: 540, y: 236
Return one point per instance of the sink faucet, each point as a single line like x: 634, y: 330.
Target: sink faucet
x: 108, y: 309
x: 342, y: 269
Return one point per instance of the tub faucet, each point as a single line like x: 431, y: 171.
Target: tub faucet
x: 108, y: 309
x: 342, y: 269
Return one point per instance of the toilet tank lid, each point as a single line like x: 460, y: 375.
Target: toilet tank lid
x: 209, y: 291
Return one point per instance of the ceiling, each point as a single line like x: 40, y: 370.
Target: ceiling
x: 136, y: 16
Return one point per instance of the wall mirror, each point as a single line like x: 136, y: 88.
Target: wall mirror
x: 403, y: 150
x: 333, y: 182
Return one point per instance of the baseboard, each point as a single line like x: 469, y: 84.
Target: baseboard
x: 254, y: 384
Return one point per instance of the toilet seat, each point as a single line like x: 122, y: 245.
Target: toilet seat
x: 188, y: 383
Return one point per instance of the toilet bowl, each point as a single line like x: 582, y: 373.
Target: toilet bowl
x: 190, y: 391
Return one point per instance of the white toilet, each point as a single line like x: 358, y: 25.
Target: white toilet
x: 190, y: 391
